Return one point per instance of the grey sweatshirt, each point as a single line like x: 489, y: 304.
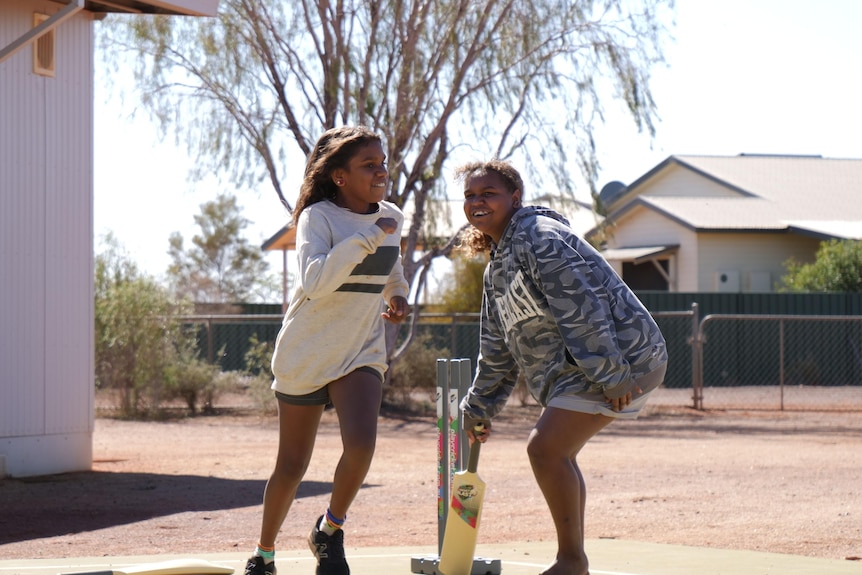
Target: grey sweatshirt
x: 349, y: 269
x: 554, y: 309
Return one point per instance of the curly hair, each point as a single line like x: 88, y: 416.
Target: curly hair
x: 332, y: 151
x: 471, y: 241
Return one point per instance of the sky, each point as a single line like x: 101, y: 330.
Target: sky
x: 742, y: 76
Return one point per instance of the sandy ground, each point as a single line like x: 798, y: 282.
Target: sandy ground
x: 785, y: 482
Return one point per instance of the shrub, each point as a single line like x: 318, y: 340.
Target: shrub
x: 136, y: 338
x: 194, y: 381
x: 259, y: 375
x: 837, y: 268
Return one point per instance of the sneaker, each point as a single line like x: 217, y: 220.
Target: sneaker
x: 257, y: 566
x: 329, y: 550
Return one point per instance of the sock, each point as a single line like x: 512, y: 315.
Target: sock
x: 268, y: 553
x: 330, y: 523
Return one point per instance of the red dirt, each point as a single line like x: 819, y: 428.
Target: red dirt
x: 766, y: 481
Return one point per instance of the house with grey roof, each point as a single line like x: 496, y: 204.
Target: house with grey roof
x: 727, y: 223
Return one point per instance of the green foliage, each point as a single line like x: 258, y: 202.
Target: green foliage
x: 258, y: 358
x: 136, y: 339
x: 837, y: 268
x: 221, y: 266
x: 464, y: 285
x: 147, y: 357
x: 191, y: 379
x: 259, y: 374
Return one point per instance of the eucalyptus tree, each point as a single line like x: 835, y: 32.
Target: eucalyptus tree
x: 442, y: 80
x: 220, y: 265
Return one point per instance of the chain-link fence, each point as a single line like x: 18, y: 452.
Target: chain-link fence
x: 722, y: 361
x: 784, y: 362
x: 227, y: 339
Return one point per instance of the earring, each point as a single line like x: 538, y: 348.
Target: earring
x: 339, y: 182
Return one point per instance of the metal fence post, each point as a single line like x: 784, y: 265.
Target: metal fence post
x: 781, y: 360
x: 453, y: 341
x: 210, y: 347
x: 696, y: 358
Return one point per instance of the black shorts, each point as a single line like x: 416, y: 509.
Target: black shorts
x: 321, y: 396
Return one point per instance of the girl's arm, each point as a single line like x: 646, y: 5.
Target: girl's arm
x: 324, y: 267
x: 396, y: 285
x: 496, y: 371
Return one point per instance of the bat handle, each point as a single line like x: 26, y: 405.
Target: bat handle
x: 473, y: 462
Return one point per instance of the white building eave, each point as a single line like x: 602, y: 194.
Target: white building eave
x: 174, y: 8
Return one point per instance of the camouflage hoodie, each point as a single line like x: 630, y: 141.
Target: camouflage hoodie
x: 556, y: 310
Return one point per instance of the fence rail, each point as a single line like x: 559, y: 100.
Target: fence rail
x: 720, y: 361
x: 798, y: 362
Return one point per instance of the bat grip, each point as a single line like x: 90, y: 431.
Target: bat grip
x: 473, y: 462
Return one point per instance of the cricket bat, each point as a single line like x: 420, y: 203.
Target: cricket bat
x: 462, y: 521
x: 173, y: 567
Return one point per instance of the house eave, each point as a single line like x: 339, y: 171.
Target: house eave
x: 174, y: 8
x: 284, y: 239
x: 639, y: 254
x: 168, y: 8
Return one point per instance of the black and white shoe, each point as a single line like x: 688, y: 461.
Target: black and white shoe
x: 257, y: 566
x: 329, y: 550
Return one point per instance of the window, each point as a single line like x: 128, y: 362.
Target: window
x: 43, y: 49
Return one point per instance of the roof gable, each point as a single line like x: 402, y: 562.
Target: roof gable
x: 803, y: 194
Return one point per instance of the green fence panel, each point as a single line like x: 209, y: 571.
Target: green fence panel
x: 755, y: 303
x: 736, y: 353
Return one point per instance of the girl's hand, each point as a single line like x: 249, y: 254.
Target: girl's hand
x: 388, y: 225
x: 398, y: 309
x: 621, y: 403
x: 477, y: 429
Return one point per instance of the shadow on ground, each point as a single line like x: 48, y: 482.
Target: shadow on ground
x: 48, y: 506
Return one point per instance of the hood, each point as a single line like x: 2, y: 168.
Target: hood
x: 530, y: 212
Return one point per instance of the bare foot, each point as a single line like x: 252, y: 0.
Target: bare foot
x: 568, y: 566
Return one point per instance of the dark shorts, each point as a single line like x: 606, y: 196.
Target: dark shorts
x: 321, y: 396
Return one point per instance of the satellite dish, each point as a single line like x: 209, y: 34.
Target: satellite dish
x: 611, y: 192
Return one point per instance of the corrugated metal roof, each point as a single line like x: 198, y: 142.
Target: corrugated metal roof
x: 717, y: 213
x: 829, y: 229
x: 638, y: 254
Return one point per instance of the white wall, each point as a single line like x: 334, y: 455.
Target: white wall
x: 643, y: 227
x: 756, y: 257
x: 750, y: 255
x: 46, y: 249
x: 676, y: 181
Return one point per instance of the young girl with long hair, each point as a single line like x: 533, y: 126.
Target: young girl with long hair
x: 331, y: 348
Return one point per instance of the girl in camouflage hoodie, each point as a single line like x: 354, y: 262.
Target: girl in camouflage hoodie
x: 554, y: 310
